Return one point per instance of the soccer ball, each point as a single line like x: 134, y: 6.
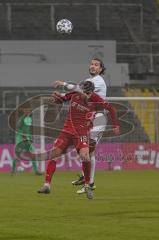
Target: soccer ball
x: 64, y: 26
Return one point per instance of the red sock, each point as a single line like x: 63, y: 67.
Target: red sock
x: 51, y: 168
x: 86, y: 167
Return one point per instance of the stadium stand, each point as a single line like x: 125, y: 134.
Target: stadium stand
x: 131, y: 22
x: 119, y: 20
x: 31, y: 22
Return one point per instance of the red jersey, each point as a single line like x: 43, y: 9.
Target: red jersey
x: 81, y: 109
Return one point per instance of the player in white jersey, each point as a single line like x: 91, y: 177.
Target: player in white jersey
x: 96, y: 71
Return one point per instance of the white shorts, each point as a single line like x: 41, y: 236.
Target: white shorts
x: 99, y: 125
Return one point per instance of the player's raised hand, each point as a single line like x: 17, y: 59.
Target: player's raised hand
x: 58, y: 83
x: 116, y: 130
x: 55, y: 93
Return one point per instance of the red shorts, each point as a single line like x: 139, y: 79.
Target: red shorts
x: 65, y: 140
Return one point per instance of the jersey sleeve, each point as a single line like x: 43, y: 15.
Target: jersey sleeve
x: 102, y: 104
x: 72, y: 87
x: 112, y: 111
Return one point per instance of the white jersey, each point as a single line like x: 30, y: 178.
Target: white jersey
x: 100, y: 120
x: 100, y: 86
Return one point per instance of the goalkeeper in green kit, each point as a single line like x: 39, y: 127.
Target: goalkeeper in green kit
x: 24, y: 139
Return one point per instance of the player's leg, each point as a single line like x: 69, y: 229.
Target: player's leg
x: 18, y: 140
x: 50, y: 170
x: 60, y: 145
x: 81, y: 144
x: 28, y: 148
x: 86, y: 167
x: 33, y: 160
x: 79, y: 180
x: 96, y: 133
x: 99, y: 125
x: 14, y: 162
x: 35, y: 167
x: 92, y: 145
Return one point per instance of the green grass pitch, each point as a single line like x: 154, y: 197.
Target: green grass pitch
x: 125, y: 207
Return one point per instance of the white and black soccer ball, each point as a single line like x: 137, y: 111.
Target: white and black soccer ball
x: 64, y: 26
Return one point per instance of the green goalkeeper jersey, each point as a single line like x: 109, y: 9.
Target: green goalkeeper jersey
x: 23, y: 129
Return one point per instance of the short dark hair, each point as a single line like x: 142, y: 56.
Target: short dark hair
x: 101, y: 65
x: 87, y: 86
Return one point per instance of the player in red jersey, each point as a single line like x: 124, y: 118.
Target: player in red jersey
x: 83, y: 106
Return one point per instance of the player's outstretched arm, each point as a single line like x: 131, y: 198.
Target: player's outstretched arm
x: 113, y: 115
x: 58, y: 83
x: 68, y: 86
x: 102, y: 104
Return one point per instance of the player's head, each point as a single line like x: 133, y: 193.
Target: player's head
x: 87, y: 87
x: 96, y: 67
x: 26, y: 109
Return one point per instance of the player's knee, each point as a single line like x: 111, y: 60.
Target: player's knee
x: 92, y: 145
x: 55, y: 153
x: 84, y: 154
